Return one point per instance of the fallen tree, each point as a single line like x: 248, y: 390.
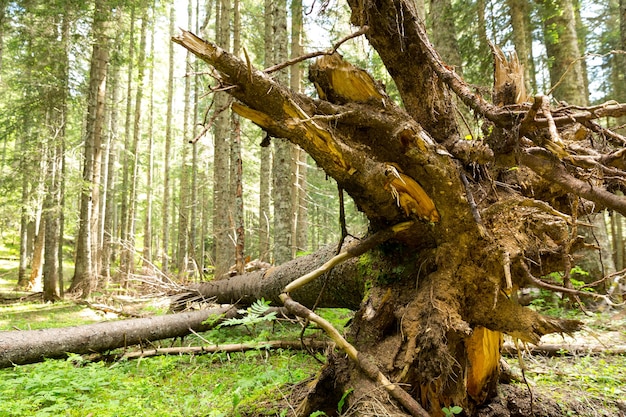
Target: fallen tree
x: 489, y: 215
x: 28, y: 346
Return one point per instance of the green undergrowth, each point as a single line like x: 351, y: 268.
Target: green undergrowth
x: 257, y: 382
x: 594, y: 382
x: 203, y: 385
x: 221, y: 384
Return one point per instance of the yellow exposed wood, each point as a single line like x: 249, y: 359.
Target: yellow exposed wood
x: 483, y: 353
x: 508, y: 74
x: 343, y: 82
x: 410, y: 196
x: 297, y: 118
x: 259, y: 118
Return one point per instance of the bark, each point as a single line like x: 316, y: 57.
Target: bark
x: 165, y: 241
x: 182, y: 253
x: 127, y: 156
x: 23, y: 347
x: 561, y: 40
x: 282, y: 162
x: 36, y: 269
x: 51, y: 282
x: 84, y: 279
x: 439, y: 294
x: 522, y: 39
x: 222, y: 214
x: 3, y: 5
x: 344, y: 286
x: 265, y: 166
x: 298, y: 168
x: 127, y: 262
x: 110, y: 206
x: 147, y: 226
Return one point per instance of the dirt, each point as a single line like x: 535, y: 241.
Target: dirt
x: 515, y: 401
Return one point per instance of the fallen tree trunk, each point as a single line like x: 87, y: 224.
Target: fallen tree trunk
x: 566, y: 349
x: 29, y: 346
x: 312, y: 345
x: 341, y: 287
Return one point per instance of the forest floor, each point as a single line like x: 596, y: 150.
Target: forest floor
x: 265, y: 382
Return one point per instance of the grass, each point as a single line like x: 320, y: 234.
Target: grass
x: 208, y: 385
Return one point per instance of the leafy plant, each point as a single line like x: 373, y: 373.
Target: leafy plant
x: 342, y: 401
x: 452, y: 411
x: 253, y: 315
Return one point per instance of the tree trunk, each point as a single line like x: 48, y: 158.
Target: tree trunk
x: 127, y: 156
x: 281, y: 168
x: 23, y: 347
x: 222, y: 213
x: 109, y: 209
x: 561, y: 40
x: 165, y: 240
x: 147, y: 226
x: 127, y: 262
x: 3, y: 5
x: 522, y: 39
x: 84, y: 279
x: 439, y: 293
x: 36, y: 269
x: 265, y: 166
x: 444, y: 33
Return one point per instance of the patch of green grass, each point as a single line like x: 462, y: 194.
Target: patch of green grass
x: 208, y: 385
x: 31, y: 316
x: 599, y: 379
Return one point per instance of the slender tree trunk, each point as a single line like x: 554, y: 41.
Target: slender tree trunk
x: 236, y: 165
x: 444, y: 33
x: 182, y: 251
x: 36, y: 270
x: 110, y: 188
x: 194, y: 202
x: 522, y: 39
x: 127, y: 156
x: 298, y: 177
x: 129, y: 260
x: 52, y: 214
x: 617, y: 223
x: 562, y: 48
x: 617, y: 18
x: 281, y: 169
x: 265, y: 166
x: 84, y: 280
x: 581, y: 32
x: 222, y: 215
x: 3, y: 6
x: 147, y: 226
x: 165, y: 234
x: 51, y: 283
x: 22, y: 280
x: 23, y: 150
x: 302, y: 235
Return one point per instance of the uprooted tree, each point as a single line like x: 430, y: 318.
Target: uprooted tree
x: 465, y: 223
x: 458, y: 225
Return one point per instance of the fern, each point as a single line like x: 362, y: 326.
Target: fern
x: 252, y: 316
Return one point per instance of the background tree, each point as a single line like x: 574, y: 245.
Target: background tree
x: 85, y: 280
x: 281, y: 162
